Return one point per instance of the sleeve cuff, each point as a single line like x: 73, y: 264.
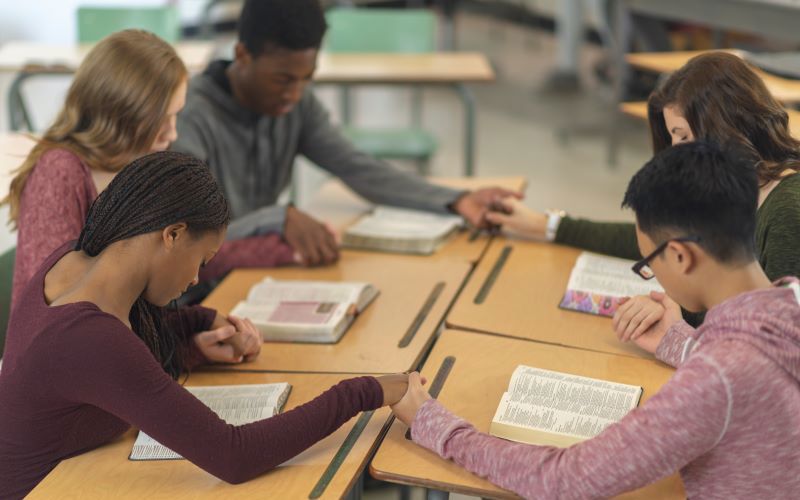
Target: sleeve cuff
x: 262, y: 221
x: 676, y: 343
x: 433, y: 425
x: 373, y: 393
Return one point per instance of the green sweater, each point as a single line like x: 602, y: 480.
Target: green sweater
x: 777, y: 233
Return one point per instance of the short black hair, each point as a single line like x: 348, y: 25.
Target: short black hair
x: 281, y: 24
x: 699, y: 189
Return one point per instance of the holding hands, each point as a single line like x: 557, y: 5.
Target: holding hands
x: 514, y: 218
x: 406, y: 408
x: 476, y: 206
x: 645, y: 319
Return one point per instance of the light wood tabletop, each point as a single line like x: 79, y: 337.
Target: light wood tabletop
x: 638, y: 109
x: 783, y: 89
x: 15, y: 55
x: 481, y: 373
x: 523, y: 300
x: 430, y: 68
x: 667, y: 62
x: 372, y: 343
x: 340, y: 207
x: 13, y: 150
x: 107, y: 473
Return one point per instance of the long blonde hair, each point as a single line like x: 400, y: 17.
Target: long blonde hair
x: 114, y: 108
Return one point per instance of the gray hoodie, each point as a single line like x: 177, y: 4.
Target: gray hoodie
x: 252, y: 155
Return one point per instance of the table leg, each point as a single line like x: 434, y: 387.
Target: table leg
x: 469, y: 128
x: 448, y: 27
x: 358, y: 489
x: 436, y: 495
x: 621, y: 29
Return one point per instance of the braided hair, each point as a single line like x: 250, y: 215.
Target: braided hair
x: 149, y: 194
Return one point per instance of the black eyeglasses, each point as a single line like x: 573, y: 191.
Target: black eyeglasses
x: 642, y: 268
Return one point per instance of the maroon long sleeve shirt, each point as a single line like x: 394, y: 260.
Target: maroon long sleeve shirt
x: 74, y: 378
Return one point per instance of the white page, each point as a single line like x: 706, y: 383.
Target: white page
x: 271, y: 291
x: 609, y: 276
x: 258, y: 313
x: 235, y: 404
x: 395, y: 214
x: 564, y: 404
x: 403, y: 223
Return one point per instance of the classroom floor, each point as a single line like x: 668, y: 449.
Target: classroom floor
x: 519, y: 123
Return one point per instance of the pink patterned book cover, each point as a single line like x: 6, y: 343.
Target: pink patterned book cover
x: 591, y: 303
x: 306, y: 313
x: 598, y: 284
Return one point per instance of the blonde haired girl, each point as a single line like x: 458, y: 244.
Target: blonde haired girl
x: 121, y: 105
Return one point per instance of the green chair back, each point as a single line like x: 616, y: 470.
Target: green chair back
x: 6, y: 275
x: 95, y: 23
x: 380, y: 30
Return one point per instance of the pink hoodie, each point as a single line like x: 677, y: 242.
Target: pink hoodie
x: 729, y: 419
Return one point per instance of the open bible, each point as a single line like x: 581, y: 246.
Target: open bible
x: 235, y: 404
x: 304, y: 311
x: 401, y: 230
x: 597, y: 283
x: 559, y: 409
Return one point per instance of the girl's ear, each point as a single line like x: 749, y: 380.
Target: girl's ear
x: 173, y: 233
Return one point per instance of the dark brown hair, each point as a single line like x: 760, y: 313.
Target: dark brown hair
x: 148, y: 195
x: 726, y: 102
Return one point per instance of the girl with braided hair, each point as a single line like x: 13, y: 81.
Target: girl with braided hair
x: 122, y: 104
x: 91, y: 351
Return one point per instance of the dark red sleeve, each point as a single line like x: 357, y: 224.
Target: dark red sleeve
x: 186, y: 322
x: 268, y: 250
x: 113, y: 370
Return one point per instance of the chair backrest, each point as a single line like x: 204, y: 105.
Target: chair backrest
x: 380, y: 30
x: 6, y: 275
x: 95, y: 23
x: 35, y: 96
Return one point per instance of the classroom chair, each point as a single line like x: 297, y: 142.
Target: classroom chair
x: 7, y: 272
x: 95, y: 23
x: 384, y: 30
x: 218, y: 12
x: 20, y: 116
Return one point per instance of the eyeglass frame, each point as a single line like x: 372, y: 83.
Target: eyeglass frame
x: 637, y: 268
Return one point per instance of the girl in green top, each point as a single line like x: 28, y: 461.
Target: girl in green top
x: 714, y: 97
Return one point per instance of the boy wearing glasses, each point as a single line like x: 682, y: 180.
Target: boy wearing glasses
x: 729, y: 419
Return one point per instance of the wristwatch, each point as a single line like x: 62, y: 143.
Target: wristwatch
x: 553, y: 220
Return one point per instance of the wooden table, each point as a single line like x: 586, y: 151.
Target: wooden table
x: 638, y: 110
x: 523, y: 301
x: 107, y: 473
x: 783, y: 89
x: 15, y: 55
x: 392, y: 68
x: 371, y: 345
x: 14, y: 148
x: 454, y: 69
x: 337, y: 205
x: 482, y: 370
